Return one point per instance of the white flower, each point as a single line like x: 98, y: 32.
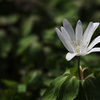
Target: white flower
x: 78, y: 44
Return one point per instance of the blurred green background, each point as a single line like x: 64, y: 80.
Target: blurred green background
x: 31, y: 54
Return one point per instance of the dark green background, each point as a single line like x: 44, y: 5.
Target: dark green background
x: 31, y: 54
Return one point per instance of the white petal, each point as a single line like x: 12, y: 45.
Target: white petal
x: 65, y: 34
x: 65, y: 41
x: 94, y: 42
x: 70, y: 46
x: 69, y: 29
x: 62, y: 39
x: 89, y: 31
x: 83, y: 50
x: 69, y: 56
x: 94, y: 50
x: 79, y: 30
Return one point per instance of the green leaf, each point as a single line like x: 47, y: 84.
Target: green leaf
x: 69, y: 89
x: 6, y: 47
x: 35, y: 79
x: 6, y: 20
x: 49, y: 34
x: 21, y: 88
x: 81, y: 94
x: 30, y: 42
x: 52, y: 91
x: 74, y: 71
x: 24, y: 44
x: 92, y: 88
x: 10, y: 83
x: 27, y: 24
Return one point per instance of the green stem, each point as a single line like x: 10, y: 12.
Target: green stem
x: 79, y: 72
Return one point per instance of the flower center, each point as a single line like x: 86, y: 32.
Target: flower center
x: 78, y: 49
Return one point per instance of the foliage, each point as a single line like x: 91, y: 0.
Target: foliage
x: 69, y: 87
x: 31, y: 54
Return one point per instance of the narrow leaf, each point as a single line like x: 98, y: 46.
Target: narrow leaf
x: 69, y: 89
x: 53, y: 89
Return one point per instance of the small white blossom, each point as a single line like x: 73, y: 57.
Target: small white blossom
x: 78, y: 44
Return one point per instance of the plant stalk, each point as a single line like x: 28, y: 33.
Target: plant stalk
x: 79, y: 72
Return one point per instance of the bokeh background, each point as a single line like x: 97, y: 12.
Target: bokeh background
x: 31, y: 54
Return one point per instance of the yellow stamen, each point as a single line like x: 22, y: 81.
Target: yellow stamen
x: 78, y: 49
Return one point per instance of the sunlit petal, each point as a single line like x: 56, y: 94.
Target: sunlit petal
x: 65, y: 42
x: 65, y: 34
x: 69, y: 29
x: 83, y: 50
x: 69, y: 56
x: 61, y: 38
x: 89, y: 31
x: 79, y: 30
x: 89, y: 28
x: 97, y: 49
x: 70, y: 46
x: 94, y: 42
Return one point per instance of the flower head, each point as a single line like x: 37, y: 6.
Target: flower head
x: 78, y: 44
